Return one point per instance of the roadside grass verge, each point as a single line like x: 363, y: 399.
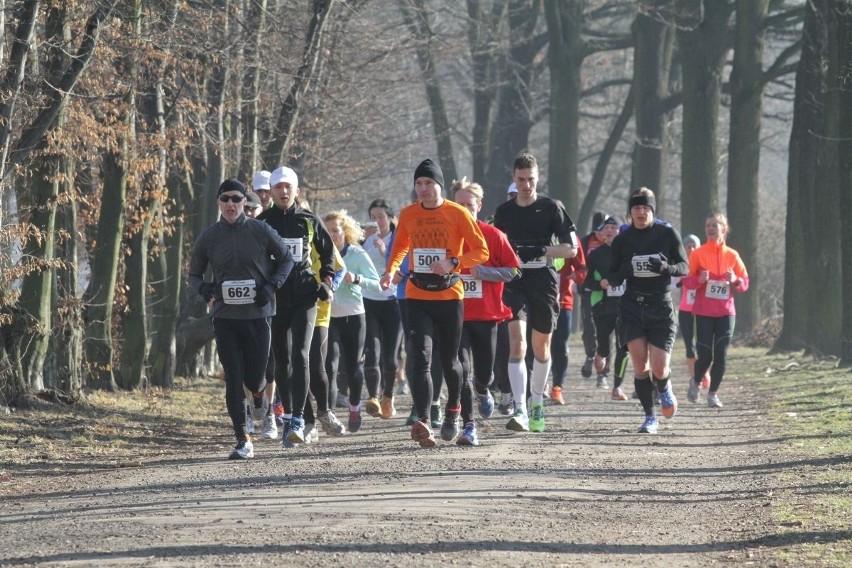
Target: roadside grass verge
x: 810, y: 408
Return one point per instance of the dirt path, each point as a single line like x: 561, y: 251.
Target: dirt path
x: 587, y: 492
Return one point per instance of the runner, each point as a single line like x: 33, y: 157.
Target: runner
x: 242, y: 299
x: 589, y: 243
x: 432, y: 233
x: 715, y: 271
x: 260, y: 186
x: 604, y: 300
x: 348, y: 327
x: 532, y: 222
x: 483, y: 309
x: 384, y: 322
x: 293, y: 324
x: 685, y: 318
x: 646, y: 255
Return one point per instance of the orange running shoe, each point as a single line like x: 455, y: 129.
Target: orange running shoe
x: 388, y: 409
x: 556, y: 395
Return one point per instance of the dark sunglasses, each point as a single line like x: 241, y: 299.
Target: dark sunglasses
x: 232, y: 198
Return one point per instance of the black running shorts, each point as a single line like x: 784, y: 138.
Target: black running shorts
x: 654, y: 321
x: 534, y: 302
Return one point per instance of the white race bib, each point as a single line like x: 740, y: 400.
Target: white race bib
x: 472, y: 287
x: 539, y: 262
x: 615, y: 291
x: 718, y: 290
x: 424, y: 257
x: 238, y: 291
x: 690, y: 297
x: 295, y: 248
x: 641, y: 266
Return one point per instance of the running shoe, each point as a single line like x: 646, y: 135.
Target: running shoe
x: 435, y: 416
x: 373, y: 407
x: 342, y: 400
x: 249, y: 420
x: 388, y: 410
x: 450, y: 427
x: 713, y: 400
x: 296, y: 433
x: 402, y: 387
x: 468, y: 436
x: 599, y: 363
x: 412, y: 418
x: 537, y: 418
x: 586, y: 369
x: 649, y: 426
x: 330, y: 424
x: 519, y: 422
x: 486, y: 404
x: 507, y: 405
x: 694, y: 393
x: 242, y: 451
x: 259, y: 405
x: 311, y: 434
x: 668, y: 402
x: 422, y: 434
x: 705, y: 381
x: 556, y: 395
x: 618, y: 394
x: 269, y: 430
x: 602, y: 382
x: 285, y: 429
x: 354, y: 420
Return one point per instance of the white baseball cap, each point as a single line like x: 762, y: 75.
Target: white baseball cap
x: 260, y: 180
x: 512, y: 189
x: 285, y: 175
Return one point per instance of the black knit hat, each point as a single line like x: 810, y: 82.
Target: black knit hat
x: 232, y: 185
x: 431, y: 170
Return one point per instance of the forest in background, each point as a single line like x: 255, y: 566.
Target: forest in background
x: 120, y: 118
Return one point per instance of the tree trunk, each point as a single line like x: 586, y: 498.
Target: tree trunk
x: 68, y: 340
x: 802, y: 210
x: 702, y: 35
x: 652, y: 61
x: 744, y: 151
x: 416, y: 18
x: 250, y: 154
x: 566, y: 52
x: 844, y: 81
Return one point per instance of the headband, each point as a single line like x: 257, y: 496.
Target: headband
x: 646, y: 200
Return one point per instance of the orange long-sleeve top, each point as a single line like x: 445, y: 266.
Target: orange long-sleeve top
x: 436, y: 234
x: 714, y: 298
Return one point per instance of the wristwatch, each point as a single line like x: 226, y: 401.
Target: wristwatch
x: 455, y: 261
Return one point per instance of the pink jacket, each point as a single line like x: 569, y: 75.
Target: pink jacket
x: 715, y: 298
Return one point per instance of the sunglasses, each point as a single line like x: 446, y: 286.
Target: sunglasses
x: 231, y: 198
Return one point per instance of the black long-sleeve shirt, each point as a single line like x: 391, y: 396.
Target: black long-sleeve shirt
x: 631, y: 250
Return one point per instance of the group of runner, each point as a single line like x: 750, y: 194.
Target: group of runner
x: 306, y: 306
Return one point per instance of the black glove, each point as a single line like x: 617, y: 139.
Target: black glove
x: 659, y: 265
x: 530, y: 252
x: 208, y: 291
x: 324, y: 291
x: 264, y: 295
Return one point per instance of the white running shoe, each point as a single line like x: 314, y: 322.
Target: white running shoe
x: 270, y: 430
x: 259, y: 405
x: 519, y: 422
x: 330, y: 424
x: 713, y: 400
x: 242, y: 451
x: 311, y: 434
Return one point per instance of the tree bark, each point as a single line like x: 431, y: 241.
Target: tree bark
x: 743, y: 208
x: 652, y: 61
x: 844, y: 83
x: 702, y: 35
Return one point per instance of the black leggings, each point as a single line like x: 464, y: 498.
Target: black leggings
x: 713, y: 336
x: 319, y: 376
x: 476, y: 352
x: 243, y: 347
x: 437, y: 322
x: 346, y: 343
x: 292, y: 331
x: 589, y: 334
x: 686, y: 322
x: 606, y: 328
x: 381, y: 349
x: 501, y: 359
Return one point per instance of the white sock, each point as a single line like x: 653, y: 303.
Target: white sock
x: 355, y: 407
x: 538, y: 380
x: 518, y: 380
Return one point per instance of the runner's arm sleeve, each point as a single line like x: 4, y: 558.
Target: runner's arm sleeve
x: 498, y: 273
x: 368, y: 276
x: 401, y: 243
x: 283, y: 257
x: 473, y: 237
x: 678, y: 264
x: 198, y: 264
x: 741, y: 285
x: 325, y: 247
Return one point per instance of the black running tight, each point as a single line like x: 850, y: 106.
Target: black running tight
x: 712, y: 338
x: 292, y: 331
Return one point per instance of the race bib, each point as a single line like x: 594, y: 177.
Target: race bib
x: 641, y: 266
x: 295, y: 248
x: 424, y: 257
x: 616, y: 291
x: 472, y: 287
x: 238, y: 291
x: 690, y: 297
x: 539, y: 262
x: 717, y: 290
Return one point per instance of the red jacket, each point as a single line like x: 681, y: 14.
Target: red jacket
x: 573, y: 271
